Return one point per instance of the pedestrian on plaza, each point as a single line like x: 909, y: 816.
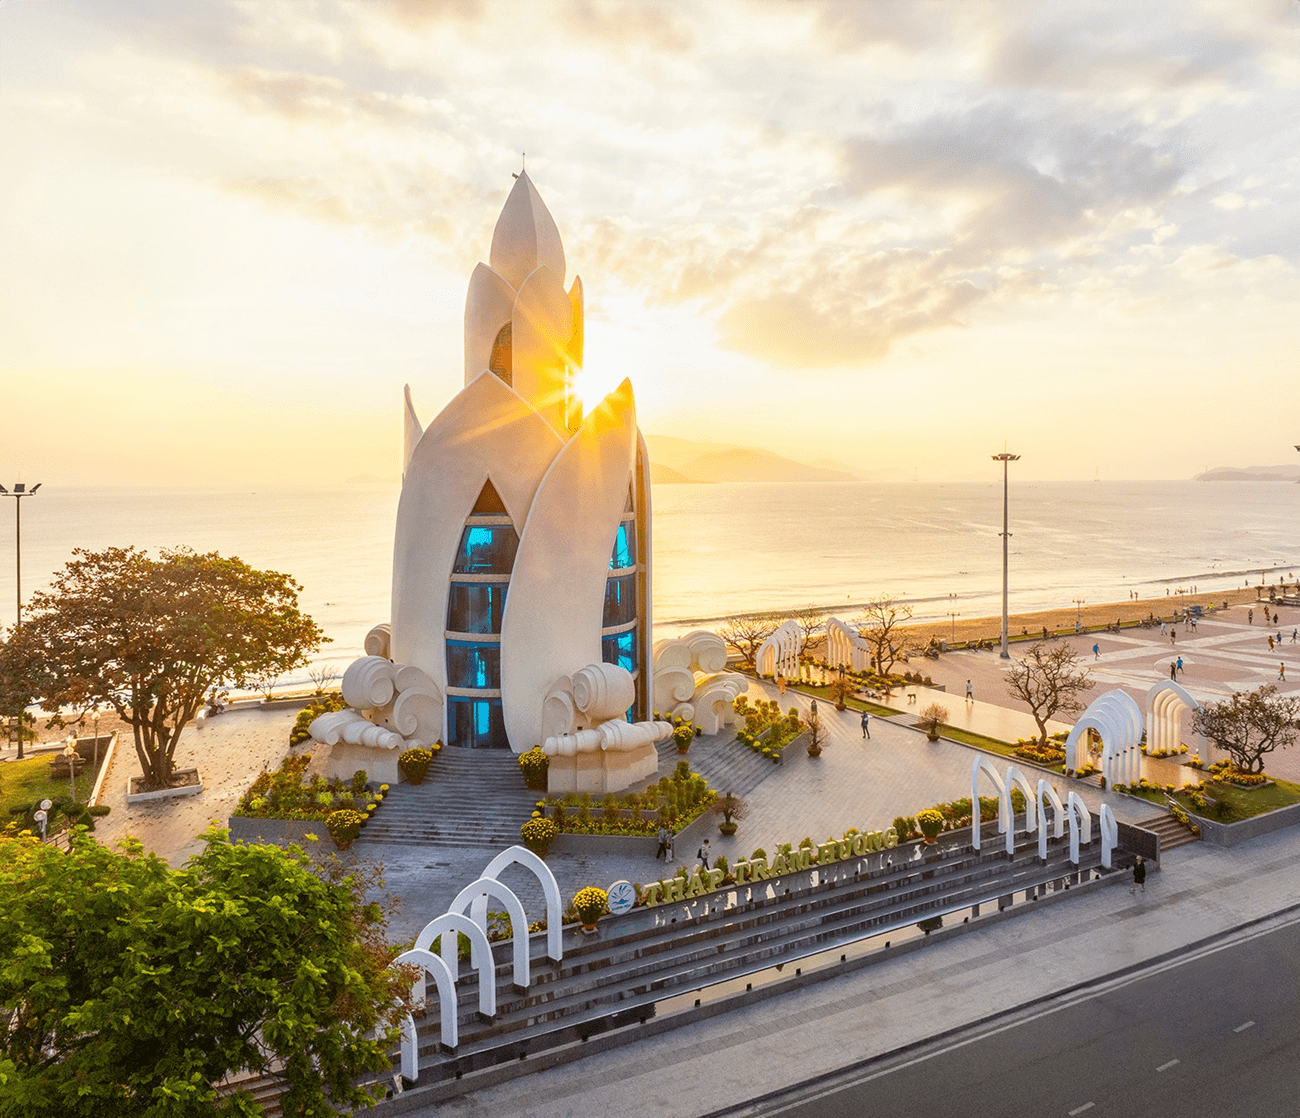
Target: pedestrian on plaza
x: 866, y: 725
x: 1281, y: 672
x: 1139, y: 876
x: 1250, y: 617
x: 703, y: 855
x: 1162, y: 628
x: 1173, y: 636
x: 1270, y: 642
x: 1275, y: 619
x: 1096, y: 652
x: 780, y: 684
x: 1173, y: 670
x: 670, y: 855
x: 662, y: 851
x: 1180, y: 665
x: 1295, y: 633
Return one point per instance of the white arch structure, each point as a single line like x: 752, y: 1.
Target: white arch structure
x: 448, y: 926
x: 434, y: 965
x: 1109, y: 835
x: 1117, y: 718
x: 779, y: 654
x: 1080, y: 824
x: 522, y: 856
x: 1047, y: 795
x: 1166, y: 702
x: 845, y: 648
x: 486, y: 887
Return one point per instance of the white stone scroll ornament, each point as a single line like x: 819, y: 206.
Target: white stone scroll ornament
x: 390, y: 706
x: 690, y: 680
x: 586, y: 713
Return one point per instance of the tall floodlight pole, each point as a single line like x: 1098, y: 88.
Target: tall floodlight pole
x: 18, y: 492
x: 1004, y: 458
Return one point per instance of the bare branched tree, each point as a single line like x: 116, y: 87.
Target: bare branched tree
x: 1048, y: 680
x: 1250, y: 726
x: 746, y: 633
x: 322, y: 675
x: 810, y: 620
x: 879, y: 624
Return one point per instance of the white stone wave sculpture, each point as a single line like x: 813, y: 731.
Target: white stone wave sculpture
x: 391, y: 707
x: 690, y: 680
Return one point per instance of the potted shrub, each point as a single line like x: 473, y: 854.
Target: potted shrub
x: 933, y: 718
x: 683, y: 736
x: 414, y: 763
x: 931, y: 823
x: 590, y: 905
x: 343, y: 827
x: 816, y: 735
x: 841, y: 691
x: 534, y: 765
x: 538, y: 833
x: 731, y: 808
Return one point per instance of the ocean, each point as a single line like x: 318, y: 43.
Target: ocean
x: 721, y: 550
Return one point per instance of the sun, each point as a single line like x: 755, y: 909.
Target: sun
x: 593, y: 384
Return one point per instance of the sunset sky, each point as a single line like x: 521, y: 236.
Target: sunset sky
x: 898, y: 235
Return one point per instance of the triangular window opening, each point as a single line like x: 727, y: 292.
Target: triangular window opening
x: 489, y: 502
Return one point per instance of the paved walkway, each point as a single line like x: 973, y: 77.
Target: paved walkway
x: 709, y: 1065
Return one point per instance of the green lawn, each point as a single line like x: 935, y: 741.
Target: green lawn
x: 1244, y: 802
x: 29, y: 781
x: 823, y: 694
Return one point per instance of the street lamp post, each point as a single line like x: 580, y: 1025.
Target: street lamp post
x: 1078, y: 611
x: 18, y: 492
x: 70, y: 752
x: 953, y: 615
x: 1005, y: 458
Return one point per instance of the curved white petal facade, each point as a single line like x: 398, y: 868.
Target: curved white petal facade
x: 521, y: 556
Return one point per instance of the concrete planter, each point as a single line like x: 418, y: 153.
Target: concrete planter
x: 192, y: 788
x: 1233, y: 834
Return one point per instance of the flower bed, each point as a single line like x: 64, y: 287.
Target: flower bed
x: 284, y: 794
x: 767, y: 730
x: 326, y: 704
x: 675, y: 801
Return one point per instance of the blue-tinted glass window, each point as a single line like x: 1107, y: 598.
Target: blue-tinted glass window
x: 620, y: 601
x: 624, y: 553
x: 487, y: 549
x: 473, y: 665
x: 620, y: 649
x: 476, y: 724
x: 476, y: 607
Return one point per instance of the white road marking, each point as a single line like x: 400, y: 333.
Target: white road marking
x: 1081, y: 1109
x: 1166, y: 1066
x: 1243, y: 1028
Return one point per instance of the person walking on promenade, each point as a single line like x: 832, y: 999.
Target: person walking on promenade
x: 670, y: 855
x: 1173, y: 670
x: 1173, y: 636
x: 1139, y: 876
x: 662, y: 851
x: 1096, y: 652
x: 703, y: 855
x: 780, y: 684
x: 1180, y: 665
x: 866, y: 726
x: 813, y: 714
x: 1281, y: 672
x: 1295, y: 633
x: 1270, y: 642
x: 1162, y: 628
x: 970, y: 694
x: 1250, y: 617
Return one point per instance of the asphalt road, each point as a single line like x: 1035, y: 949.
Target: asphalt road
x: 1215, y: 1032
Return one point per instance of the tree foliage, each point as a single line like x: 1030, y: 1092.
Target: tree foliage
x: 1249, y: 726
x: 878, y: 625
x: 747, y: 633
x: 1048, y: 680
x: 153, y: 637
x: 136, y: 988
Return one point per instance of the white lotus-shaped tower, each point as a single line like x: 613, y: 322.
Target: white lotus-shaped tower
x: 522, y: 548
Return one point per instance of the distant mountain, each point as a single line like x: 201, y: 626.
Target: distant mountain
x: 694, y: 461
x: 666, y: 475
x: 1250, y: 473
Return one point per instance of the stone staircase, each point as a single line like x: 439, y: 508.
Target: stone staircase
x: 469, y: 798
x: 650, y: 955
x: 727, y: 765
x: 1172, y: 833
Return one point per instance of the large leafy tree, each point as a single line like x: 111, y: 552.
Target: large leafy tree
x: 152, y: 637
x: 1048, y: 681
x: 134, y: 988
x: 1248, y: 726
